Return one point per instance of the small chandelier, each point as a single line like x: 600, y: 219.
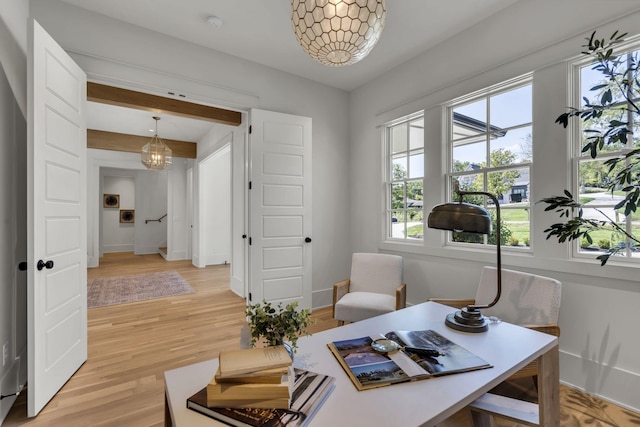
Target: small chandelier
x: 338, y: 32
x: 155, y: 154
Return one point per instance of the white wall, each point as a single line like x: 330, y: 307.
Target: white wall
x: 117, y: 236
x: 13, y: 49
x: 215, y: 193
x: 13, y: 189
x: 13, y: 248
x: 599, y: 345
x: 150, y: 203
x: 207, y: 146
x: 178, y: 222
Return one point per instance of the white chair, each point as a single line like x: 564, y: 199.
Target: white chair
x: 527, y: 300
x: 374, y: 287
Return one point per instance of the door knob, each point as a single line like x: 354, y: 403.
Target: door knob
x: 48, y: 265
x: 307, y: 239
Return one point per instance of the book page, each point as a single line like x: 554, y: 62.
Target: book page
x: 406, y: 364
x: 452, y: 358
x: 237, y: 362
x: 366, y: 367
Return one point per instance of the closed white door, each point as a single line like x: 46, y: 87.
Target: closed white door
x: 280, y: 238
x: 57, y: 240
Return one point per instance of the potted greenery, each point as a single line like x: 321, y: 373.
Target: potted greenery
x: 277, y: 325
x: 607, y: 122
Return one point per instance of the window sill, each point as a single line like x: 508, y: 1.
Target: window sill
x: 511, y: 259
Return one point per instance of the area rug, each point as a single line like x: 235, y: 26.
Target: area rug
x: 137, y: 287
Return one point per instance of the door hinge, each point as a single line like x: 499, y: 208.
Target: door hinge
x: 250, y: 298
x: 249, y: 185
x: 250, y: 129
x: 249, y: 241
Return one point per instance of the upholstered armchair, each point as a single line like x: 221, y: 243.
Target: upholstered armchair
x: 374, y: 287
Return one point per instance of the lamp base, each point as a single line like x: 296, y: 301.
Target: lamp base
x: 467, y: 320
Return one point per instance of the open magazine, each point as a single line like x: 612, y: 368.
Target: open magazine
x: 422, y: 354
x: 310, y: 391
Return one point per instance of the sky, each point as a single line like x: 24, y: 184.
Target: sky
x: 507, y: 109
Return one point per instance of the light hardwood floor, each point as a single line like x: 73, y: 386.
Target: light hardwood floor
x: 131, y: 345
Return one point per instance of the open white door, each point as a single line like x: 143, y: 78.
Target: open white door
x: 57, y: 239
x: 280, y: 208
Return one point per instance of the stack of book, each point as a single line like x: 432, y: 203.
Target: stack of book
x: 259, y: 387
x: 253, y: 378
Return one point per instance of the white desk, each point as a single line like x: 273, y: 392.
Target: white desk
x: 507, y: 347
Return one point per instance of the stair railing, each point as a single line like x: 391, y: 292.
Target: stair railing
x: 147, y: 221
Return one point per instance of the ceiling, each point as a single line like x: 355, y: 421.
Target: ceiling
x: 260, y: 31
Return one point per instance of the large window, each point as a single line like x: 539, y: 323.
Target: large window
x: 405, y: 179
x: 597, y: 197
x: 490, y: 149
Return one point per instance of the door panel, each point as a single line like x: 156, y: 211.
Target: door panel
x: 56, y: 210
x: 280, y: 208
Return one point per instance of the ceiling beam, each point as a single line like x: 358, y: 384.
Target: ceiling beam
x: 113, y: 141
x: 160, y: 104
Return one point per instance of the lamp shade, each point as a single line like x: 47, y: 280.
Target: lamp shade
x: 460, y: 217
x: 156, y: 154
x: 338, y: 32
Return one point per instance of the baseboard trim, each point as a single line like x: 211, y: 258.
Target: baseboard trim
x: 609, y: 383
x: 108, y: 249
x: 9, y: 384
x: 322, y: 298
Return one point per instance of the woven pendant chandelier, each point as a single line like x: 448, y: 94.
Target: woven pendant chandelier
x: 155, y: 154
x: 338, y: 32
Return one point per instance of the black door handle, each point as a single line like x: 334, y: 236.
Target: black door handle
x: 307, y: 239
x: 48, y: 265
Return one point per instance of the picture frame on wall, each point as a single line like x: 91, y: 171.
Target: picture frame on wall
x: 127, y: 216
x: 111, y: 201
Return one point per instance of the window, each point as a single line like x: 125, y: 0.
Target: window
x: 405, y: 179
x: 490, y: 149
x: 593, y: 175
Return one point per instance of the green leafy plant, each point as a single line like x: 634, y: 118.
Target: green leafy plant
x: 277, y: 324
x: 607, y: 124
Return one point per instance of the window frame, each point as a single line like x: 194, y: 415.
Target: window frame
x: 576, y: 142
x: 389, y: 182
x: 450, y: 174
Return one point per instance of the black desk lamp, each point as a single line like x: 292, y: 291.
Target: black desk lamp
x: 466, y: 217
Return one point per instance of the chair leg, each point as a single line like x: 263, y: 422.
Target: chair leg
x: 340, y: 322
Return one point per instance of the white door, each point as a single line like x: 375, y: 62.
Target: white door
x: 57, y: 240
x: 280, y: 208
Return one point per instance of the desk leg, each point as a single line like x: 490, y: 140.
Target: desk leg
x: 167, y: 413
x: 481, y: 419
x: 549, y: 388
